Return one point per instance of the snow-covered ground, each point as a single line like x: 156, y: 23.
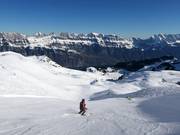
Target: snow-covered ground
x: 39, y: 97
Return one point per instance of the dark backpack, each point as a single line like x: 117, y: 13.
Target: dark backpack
x: 81, y: 106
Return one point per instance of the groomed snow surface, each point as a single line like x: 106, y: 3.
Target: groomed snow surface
x: 39, y: 97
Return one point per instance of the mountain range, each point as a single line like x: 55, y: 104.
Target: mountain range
x: 79, y: 51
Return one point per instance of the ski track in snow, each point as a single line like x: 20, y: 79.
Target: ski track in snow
x: 37, y: 97
x: 50, y: 116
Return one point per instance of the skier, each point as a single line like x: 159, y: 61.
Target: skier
x: 82, y: 107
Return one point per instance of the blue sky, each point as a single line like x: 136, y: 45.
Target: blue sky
x: 125, y: 17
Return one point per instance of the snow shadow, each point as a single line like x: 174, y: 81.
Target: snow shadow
x: 163, y: 109
x: 148, y: 92
x: 111, y: 94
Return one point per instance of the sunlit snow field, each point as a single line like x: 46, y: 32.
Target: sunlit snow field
x: 39, y: 97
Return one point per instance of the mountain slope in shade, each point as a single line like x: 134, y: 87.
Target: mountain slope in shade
x: 80, y: 51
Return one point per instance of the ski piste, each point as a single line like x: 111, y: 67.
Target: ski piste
x: 41, y: 97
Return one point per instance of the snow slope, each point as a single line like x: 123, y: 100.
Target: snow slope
x: 39, y: 97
